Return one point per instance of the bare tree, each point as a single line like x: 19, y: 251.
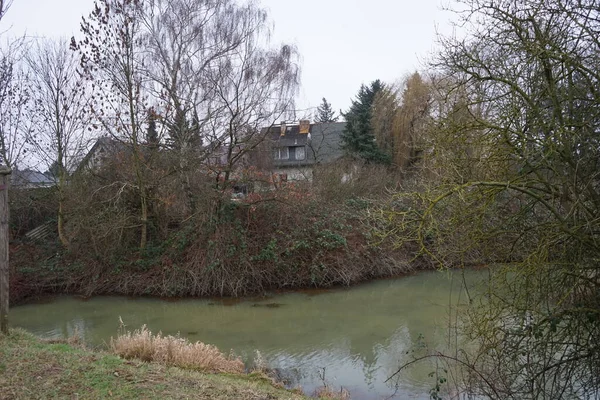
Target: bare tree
x: 4, y: 6
x: 58, y: 113
x: 112, y: 59
x: 398, y: 119
x: 251, y: 89
x: 14, y: 96
x: 410, y: 120
x: 6, y: 81
x: 190, y: 44
x: 183, y: 38
x: 384, y: 112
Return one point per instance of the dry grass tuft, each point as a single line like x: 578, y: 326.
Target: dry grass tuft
x: 170, y: 350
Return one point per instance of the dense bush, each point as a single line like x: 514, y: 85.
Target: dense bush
x: 295, y: 234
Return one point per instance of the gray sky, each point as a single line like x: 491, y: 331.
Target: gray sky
x: 343, y: 43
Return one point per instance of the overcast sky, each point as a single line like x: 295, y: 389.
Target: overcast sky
x: 343, y: 43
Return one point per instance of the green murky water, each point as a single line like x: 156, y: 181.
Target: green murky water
x: 357, y: 336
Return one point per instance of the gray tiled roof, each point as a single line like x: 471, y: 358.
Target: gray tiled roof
x: 29, y: 178
x: 326, y: 141
x: 323, y: 144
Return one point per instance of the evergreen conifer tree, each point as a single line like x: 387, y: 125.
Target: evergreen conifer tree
x: 358, y: 137
x: 325, y: 113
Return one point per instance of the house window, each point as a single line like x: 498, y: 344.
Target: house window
x: 240, y: 190
x: 282, y: 153
x: 300, y: 153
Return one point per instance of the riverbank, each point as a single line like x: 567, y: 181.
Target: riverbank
x: 359, y: 334
x: 34, y: 281
x: 253, y: 251
x: 31, y: 368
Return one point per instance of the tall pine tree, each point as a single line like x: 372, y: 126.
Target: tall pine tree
x: 358, y: 137
x: 325, y: 112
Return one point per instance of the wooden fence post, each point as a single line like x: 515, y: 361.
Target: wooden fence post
x: 4, y: 183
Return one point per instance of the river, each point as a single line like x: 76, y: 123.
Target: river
x: 353, y: 338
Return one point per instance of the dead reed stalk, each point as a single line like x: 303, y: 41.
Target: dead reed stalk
x: 176, y: 351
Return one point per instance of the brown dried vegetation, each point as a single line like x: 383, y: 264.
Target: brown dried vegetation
x: 295, y: 236
x: 175, y: 351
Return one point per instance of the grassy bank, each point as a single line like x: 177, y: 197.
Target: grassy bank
x: 30, y: 368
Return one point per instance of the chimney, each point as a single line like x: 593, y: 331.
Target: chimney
x: 305, y: 126
x: 283, y: 128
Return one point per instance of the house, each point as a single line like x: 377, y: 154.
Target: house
x: 30, y: 179
x: 288, y: 152
x: 104, y: 149
x: 297, y: 148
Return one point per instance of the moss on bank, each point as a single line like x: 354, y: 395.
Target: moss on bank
x: 30, y: 369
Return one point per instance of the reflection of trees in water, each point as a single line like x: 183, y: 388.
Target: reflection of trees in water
x: 400, y: 347
x: 403, y: 346
x: 349, y: 364
x: 397, y: 349
x: 75, y: 327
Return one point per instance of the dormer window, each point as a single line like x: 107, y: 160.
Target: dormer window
x: 300, y: 153
x: 281, y: 153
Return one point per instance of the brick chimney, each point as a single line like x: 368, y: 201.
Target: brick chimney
x: 305, y: 126
x: 283, y: 128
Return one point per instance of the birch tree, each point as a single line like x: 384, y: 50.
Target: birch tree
x: 205, y: 73
x: 251, y: 89
x: 184, y: 38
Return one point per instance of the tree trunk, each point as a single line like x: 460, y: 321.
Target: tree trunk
x: 144, y: 233
x: 184, y: 179
x: 137, y: 159
x: 4, y: 270
x: 61, y: 231
x: 61, y: 203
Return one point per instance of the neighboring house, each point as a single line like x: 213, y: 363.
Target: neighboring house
x: 30, y: 179
x: 290, y: 152
x: 297, y: 148
x: 104, y: 149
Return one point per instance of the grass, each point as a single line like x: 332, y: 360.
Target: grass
x: 174, y: 351
x: 34, y: 369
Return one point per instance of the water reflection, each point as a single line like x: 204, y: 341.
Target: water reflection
x: 358, y: 337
